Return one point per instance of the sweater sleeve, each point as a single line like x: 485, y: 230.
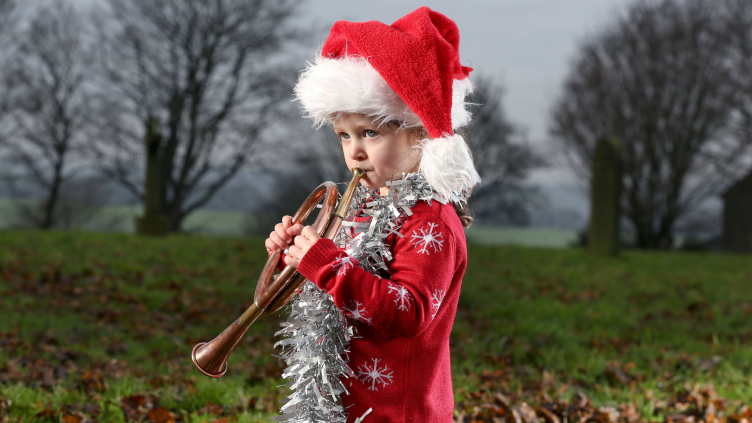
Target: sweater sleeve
x: 405, y: 304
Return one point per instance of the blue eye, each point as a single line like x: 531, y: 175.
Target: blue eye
x: 370, y: 134
x: 344, y: 136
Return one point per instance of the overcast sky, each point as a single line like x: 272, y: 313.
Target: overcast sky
x: 525, y: 44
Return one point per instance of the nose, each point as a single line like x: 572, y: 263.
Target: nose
x: 357, y: 152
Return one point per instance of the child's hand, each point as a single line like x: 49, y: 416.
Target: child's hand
x: 281, y: 237
x: 307, y: 237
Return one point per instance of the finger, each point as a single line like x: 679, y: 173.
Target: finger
x: 286, y: 222
x: 292, y: 262
x: 295, y: 229
x: 270, y: 245
x: 296, y: 252
x: 279, y: 242
x: 282, y: 233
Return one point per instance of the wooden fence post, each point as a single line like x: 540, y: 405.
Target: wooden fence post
x: 153, y: 222
x: 603, y: 231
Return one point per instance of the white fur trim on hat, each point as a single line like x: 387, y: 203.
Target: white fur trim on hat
x: 329, y: 87
x: 461, y: 88
x: 447, y: 164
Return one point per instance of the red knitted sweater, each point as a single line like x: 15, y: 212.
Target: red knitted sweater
x: 402, y: 361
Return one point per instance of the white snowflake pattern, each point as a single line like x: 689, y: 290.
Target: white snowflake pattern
x: 355, y: 310
x: 375, y: 375
x: 403, y: 297
x: 428, y: 239
x: 343, y: 264
x: 436, y: 299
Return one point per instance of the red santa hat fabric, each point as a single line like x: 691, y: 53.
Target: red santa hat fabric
x: 409, y: 72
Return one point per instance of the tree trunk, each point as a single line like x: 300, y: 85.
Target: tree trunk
x: 49, y: 208
x: 649, y: 239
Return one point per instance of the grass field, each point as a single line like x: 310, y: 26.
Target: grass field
x: 100, y: 326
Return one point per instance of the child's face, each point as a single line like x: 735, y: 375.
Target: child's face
x: 383, y: 152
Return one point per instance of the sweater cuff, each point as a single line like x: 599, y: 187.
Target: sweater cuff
x: 281, y: 264
x: 319, y: 257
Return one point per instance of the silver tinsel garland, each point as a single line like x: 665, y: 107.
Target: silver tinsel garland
x: 316, y: 337
x: 316, y: 334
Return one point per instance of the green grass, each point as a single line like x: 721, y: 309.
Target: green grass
x: 561, y: 310
x: 532, y: 323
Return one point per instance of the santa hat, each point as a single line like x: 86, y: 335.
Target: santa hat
x: 408, y: 71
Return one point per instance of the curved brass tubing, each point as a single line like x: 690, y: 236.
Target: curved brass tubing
x: 271, y: 294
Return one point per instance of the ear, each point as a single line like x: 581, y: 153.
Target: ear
x: 416, y: 134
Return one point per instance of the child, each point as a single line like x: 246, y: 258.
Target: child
x: 394, y: 94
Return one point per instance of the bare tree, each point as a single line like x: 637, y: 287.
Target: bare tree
x: 46, y: 82
x: 736, y: 32
x: 207, y: 70
x: 9, y: 15
x: 503, y: 159
x: 658, y: 79
x: 8, y: 18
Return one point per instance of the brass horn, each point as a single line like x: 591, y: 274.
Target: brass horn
x: 211, y: 357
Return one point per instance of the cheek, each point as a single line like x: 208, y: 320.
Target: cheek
x: 404, y: 160
x: 345, y: 154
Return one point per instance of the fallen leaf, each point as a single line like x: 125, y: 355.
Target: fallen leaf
x: 679, y: 418
x: 92, y: 381
x: 527, y: 413
x: 210, y: 409
x: 546, y: 415
x: 161, y: 415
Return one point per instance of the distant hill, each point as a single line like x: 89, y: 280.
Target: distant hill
x: 564, y: 207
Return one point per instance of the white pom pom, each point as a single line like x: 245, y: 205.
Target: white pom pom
x: 447, y: 164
